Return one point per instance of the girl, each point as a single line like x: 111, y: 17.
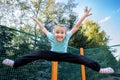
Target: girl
x: 59, y: 42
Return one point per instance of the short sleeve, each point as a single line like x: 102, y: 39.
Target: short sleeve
x: 49, y: 35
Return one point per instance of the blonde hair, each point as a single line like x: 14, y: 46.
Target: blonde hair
x: 60, y: 25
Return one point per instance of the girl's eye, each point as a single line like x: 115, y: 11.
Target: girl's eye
x: 57, y: 32
x: 62, y: 32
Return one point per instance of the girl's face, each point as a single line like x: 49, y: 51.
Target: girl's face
x: 59, y: 33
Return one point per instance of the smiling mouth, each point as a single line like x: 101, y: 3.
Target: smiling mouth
x: 59, y: 38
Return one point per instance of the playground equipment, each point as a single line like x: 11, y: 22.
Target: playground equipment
x: 15, y: 43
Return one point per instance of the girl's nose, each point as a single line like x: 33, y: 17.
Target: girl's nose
x: 60, y: 34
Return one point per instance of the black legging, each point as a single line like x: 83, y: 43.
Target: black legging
x: 54, y: 56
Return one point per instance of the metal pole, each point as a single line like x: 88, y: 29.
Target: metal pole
x: 82, y: 66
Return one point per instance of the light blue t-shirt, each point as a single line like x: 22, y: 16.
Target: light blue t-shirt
x: 59, y: 46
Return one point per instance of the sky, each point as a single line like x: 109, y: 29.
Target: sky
x: 107, y: 14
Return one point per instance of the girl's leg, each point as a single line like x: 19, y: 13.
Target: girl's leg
x: 78, y: 59
x: 47, y: 55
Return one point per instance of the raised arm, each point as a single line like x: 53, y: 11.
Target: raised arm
x: 77, y: 25
x: 42, y: 28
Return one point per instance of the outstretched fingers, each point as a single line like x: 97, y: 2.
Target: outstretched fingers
x: 87, y: 11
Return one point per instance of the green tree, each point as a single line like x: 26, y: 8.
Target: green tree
x: 89, y: 35
x: 96, y: 38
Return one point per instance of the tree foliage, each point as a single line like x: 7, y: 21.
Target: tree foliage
x: 89, y: 36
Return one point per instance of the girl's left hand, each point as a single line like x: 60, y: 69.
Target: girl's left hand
x: 87, y: 11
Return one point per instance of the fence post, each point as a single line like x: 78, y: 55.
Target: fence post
x: 82, y: 66
x: 54, y: 70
